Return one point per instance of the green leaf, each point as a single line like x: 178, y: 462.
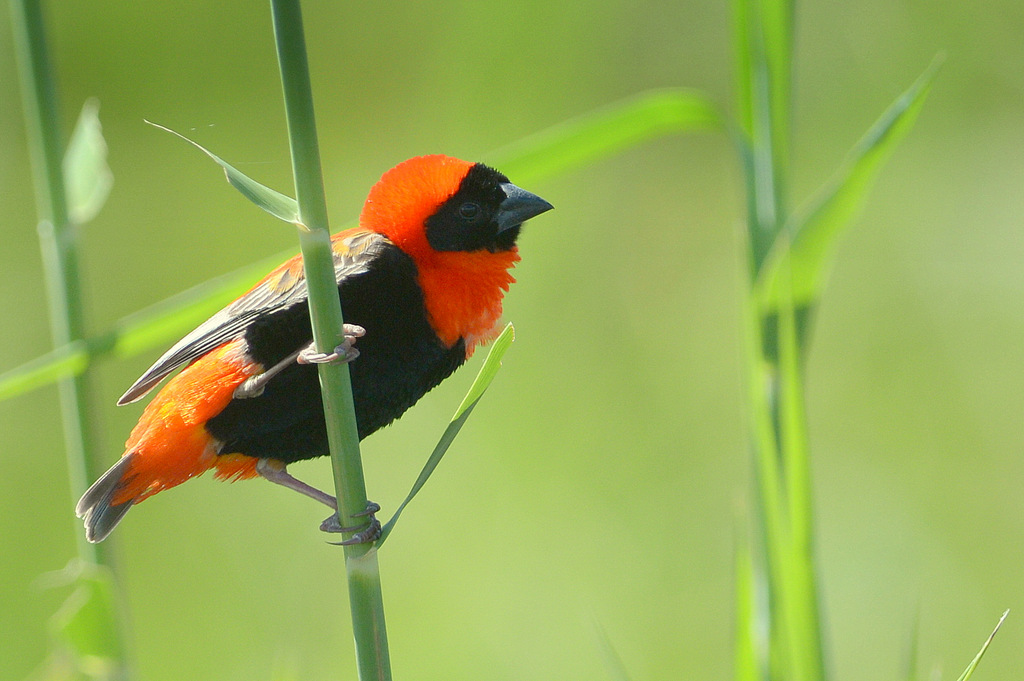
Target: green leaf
x: 87, y: 177
x: 812, y: 233
x: 762, y: 49
x: 150, y: 328
x: 274, y: 202
x: 613, y: 663
x: 68, y: 360
x: 86, y: 623
x: 913, y: 637
x: 750, y: 618
x: 977, y: 658
x: 763, y: 46
x: 796, y: 585
x: 606, y: 131
x: 483, y: 379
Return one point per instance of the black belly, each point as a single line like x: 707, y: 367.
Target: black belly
x: 400, y: 359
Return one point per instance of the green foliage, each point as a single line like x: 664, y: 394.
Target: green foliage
x: 778, y: 632
x: 480, y: 384
x: 812, y: 233
x: 607, y: 131
x: 87, y: 177
x: 86, y: 640
x: 788, y: 254
x: 274, y: 202
x: 977, y: 658
x: 145, y: 330
x: 87, y: 622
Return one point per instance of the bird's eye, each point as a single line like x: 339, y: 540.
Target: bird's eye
x: 469, y: 210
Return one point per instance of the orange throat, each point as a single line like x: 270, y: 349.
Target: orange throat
x: 463, y: 293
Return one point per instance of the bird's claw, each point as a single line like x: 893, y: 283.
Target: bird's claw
x: 363, y: 534
x: 346, y: 352
x: 255, y: 385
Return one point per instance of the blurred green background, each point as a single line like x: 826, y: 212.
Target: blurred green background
x: 598, y: 485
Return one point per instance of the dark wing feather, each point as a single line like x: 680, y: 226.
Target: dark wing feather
x: 285, y: 286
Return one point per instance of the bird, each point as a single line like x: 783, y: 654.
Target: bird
x: 421, y: 280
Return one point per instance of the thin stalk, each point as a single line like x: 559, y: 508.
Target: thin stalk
x: 365, y: 598
x: 781, y: 457
x: 58, y: 239
x: 59, y: 242
x: 801, y: 596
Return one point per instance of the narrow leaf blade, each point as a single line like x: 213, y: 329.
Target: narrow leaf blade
x: 87, y: 623
x: 274, y: 202
x: 813, y: 233
x: 607, y: 131
x: 750, y: 616
x: 87, y: 177
x: 68, y: 360
x: 153, y: 327
x: 977, y: 658
x: 797, y: 592
x: 480, y: 384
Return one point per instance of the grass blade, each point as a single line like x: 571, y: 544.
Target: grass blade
x: 274, y: 202
x: 150, y: 328
x: 613, y: 663
x: 763, y: 45
x: 605, y: 132
x: 977, y: 658
x: 483, y: 379
x: 87, y: 177
x: 796, y: 576
x: 750, y: 624
x: 87, y: 622
x: 813, y: 233
x: 67, y: 360
x: 765, y: 27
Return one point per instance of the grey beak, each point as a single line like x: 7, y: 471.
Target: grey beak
x: 518, y: 207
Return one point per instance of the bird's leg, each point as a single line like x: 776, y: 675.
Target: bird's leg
x: 346, y: 352
x: 277, y: 472
x: 254, y: 385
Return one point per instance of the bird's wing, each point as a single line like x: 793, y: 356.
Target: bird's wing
x: 285, y: 286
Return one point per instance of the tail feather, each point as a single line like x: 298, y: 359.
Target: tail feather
x: 170, y: 443
x: 96, y: 507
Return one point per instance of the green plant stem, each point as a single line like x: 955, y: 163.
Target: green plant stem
x: 763, y: 30
x: 58, y: 240
x: 366, y: 601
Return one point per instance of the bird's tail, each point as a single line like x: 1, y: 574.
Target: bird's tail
x: 170, y: 444
x: 100, y: 507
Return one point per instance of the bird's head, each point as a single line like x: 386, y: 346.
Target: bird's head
x: 442, y: 204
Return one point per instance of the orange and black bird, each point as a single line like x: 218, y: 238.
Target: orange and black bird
x: 421, y: 281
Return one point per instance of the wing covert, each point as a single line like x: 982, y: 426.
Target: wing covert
x: 285, y: 286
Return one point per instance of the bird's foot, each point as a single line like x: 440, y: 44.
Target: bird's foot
x: 363, y: 534
x: 346, y: 352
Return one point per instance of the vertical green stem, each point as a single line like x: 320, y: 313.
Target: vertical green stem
x: 58, y: 239
x: 365, y: 596
x: 781, y: 457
